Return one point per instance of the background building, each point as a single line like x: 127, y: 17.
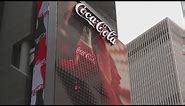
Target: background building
x: 156, y: 65
x: 183, y: 8
x: 183, y: 11
x: 17, y: 27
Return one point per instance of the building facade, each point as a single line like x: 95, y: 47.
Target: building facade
x: 17, y: 23
x: 76, y: 71
x: 157, y: 64
x: 183, y: 11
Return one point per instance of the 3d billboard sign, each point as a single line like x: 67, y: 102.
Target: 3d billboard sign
x: 88, y: 70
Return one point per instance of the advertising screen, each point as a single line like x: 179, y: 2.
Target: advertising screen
x: 89, y: 70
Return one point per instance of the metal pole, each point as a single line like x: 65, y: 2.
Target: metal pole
x: 50, y: 59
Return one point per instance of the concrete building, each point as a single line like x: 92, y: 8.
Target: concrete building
x: 17, y: 24
x: 157, y: 65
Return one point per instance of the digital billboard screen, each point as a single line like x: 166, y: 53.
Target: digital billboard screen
x: 88, y: 69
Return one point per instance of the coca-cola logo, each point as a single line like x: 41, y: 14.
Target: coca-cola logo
x: 103, y: 29
x: 86, y: 54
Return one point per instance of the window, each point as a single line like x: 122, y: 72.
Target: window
x: 23, y: 55
x: 16, y: 55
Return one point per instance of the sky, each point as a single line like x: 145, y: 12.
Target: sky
x: 134, y: 18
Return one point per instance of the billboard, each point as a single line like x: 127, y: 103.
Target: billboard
x: 91, y: 65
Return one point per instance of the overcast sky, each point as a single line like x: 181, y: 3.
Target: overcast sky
x: 134, y: 18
